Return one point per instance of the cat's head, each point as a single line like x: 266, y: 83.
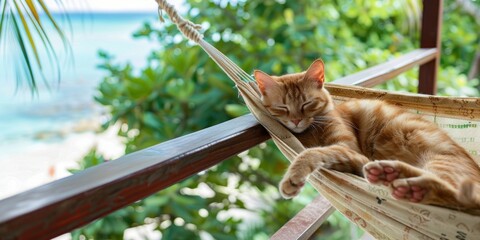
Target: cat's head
x: 295, y: 99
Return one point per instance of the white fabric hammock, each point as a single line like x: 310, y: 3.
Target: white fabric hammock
x: 352, y: 195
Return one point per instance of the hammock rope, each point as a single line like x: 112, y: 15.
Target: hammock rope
x: 188, y: 28
x: 349, y: 194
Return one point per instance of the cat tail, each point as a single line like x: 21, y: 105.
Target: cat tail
x: 469, y: 194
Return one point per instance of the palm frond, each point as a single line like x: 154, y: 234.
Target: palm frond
x: 26, y: 36
x: 412, y: 13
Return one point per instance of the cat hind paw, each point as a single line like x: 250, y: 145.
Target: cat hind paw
x: 380, y: 174
x: 406, y: 182
x: 408, y: 190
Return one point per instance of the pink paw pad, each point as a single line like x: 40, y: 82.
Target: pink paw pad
x: 410, y: 193
x: 381, y: 175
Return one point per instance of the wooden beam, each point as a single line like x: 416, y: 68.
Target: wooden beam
x: 430, y: 38
x: 380, y: 73
x: 63, y: 205
x: 306, y: 222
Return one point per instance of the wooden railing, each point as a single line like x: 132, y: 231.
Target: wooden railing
x: 63, y: 205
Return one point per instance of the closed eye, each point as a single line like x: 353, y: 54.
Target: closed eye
x: 279, y: 110
x: 313, y: 106
x: 306, y: 104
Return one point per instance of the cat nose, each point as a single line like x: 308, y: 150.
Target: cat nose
x: 296, y: 121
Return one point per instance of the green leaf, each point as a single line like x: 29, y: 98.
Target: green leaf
x: 178, y: 233
x: 223, y: 236
x: 30, y: 39
x: 236, y: 110
x: 157, y: 200
x: 180, y: 89
x: 181, y: 212
x: 151, y: 120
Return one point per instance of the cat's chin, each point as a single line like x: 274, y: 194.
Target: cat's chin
x: 297, y: 130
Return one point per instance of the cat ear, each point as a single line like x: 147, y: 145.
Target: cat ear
x: 316, y: 72
x: 264, y: 81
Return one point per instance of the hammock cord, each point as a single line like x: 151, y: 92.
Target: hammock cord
x: 188, y: 28
x: 250, y: 92
x: 190, y: 31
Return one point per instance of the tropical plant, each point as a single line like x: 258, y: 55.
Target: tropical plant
x: 180, y: 90
x: 27, y: 29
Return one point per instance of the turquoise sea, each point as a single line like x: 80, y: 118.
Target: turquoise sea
x: 23, y: 117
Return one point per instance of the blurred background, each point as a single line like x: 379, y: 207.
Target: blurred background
x: 111, y: 79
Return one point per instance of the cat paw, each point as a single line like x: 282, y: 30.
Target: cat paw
x: 409, y: 190
x: 406, y: 182
x: 380, y: 173
x: 384, y: 172
x: 290, y: 188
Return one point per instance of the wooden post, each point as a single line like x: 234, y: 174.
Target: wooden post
x: 430, y: 38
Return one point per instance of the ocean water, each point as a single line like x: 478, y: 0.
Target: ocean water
x: 25, y: 119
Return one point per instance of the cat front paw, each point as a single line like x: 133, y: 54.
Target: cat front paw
x: 289, y: 187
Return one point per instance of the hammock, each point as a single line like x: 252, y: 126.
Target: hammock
x: 350, y: 194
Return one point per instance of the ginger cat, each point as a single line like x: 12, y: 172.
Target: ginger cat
x: 370, y: 138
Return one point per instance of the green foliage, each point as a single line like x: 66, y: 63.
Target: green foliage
x: 24, y: 25
x: 90, y: 160
x: 460, y: 37
x: 331, y: 229
x: 450, y: 82
x: 181, y: 90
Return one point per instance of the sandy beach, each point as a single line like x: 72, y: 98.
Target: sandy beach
x: 40, y: 162
x: 43, y: 135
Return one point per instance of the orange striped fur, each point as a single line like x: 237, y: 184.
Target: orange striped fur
x: 385, y: 144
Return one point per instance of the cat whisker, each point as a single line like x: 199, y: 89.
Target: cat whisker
x: 315, y: 127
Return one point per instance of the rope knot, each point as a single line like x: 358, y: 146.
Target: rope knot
x: 187, y: 28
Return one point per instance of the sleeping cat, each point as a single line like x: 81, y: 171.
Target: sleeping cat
x: 370, y: 138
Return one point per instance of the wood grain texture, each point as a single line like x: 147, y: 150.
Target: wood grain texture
x: 430, y: 37
x: 63, y: 205
x: 380, y: 73
x: 306, y: 222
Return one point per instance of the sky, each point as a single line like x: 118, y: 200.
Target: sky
x: 109, y: 5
